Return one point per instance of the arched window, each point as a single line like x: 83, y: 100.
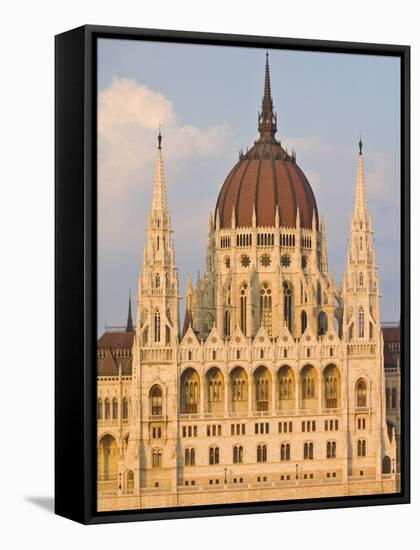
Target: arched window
x: 394, y: 398
x: 107, y: 409
x: 108, y: 458
x: 156, y: 458
x: 262, y: 453
x: 227, y: 324
x: 243, y: 308
x: 361, y: 447
x: 214, y: 455
x: 190, y: 457
x: 114, y: 408
x: 287, y: 304
x: 331, y: 449
x: 361, y: 323
x: 99, y: 410
x: 386, y: 465
x: 238, y: 390
x: 125, y: 408
x: 145, y: 335
x: 156, y: 401
x: 322, y: 323
x: 215, y: 390
x: 303, y: 321
x: 190, y: 391
x: 308, y: 383
x: 129, y: 481
x: 360, y: 279
x: 286, y: 384
x: 238, y: 454
x: 284, y: 451
x: 262, y: 381
x: 308, y: 451
x: 266, y: 314
x: 157, y: 326
x: 157, y: 280
x: 388, y: 398
x: 331, y: 387
x: 361, y: 394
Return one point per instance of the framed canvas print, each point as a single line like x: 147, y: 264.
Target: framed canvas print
x: 232, y: 274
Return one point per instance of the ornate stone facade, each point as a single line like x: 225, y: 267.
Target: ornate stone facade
x: 275, y: 387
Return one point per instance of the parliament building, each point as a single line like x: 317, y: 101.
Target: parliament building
x: 274, y: 385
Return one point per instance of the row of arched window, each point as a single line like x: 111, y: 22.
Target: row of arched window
x: 265, y: 239
x: 107, y: 409
x: 262, y: 454
x: 266, y: 310
x: 262, y: 388
x: 244, y: 239
x: 225, y: 242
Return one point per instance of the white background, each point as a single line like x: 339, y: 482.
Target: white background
x: 26, y: 299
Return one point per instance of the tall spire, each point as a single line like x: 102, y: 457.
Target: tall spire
x: 360, y: 286
x: 360, y: 204
x: 267, y: 84
x: 129, y: 327
x: 158, y: 286
x: 159, y: 203
x: 267, y: 118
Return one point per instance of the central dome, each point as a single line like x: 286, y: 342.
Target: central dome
x: 266, y: 178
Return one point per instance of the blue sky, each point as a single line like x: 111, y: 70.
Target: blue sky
x: 206, y: 98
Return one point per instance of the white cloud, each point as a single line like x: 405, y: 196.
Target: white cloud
x: 129, y: 114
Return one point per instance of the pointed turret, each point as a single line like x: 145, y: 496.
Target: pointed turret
x: 159, y: 203
x: 189, y: 297
x: 360, y: 204
x: 210, y: 247
x: 360, y: 281
x: 158, y: 282
x: 267, y: 118
x: 129, y: 327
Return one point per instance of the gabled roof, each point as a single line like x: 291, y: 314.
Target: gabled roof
x: 109, y: 365
x: 213, y: 336
x: 108, y: 361
x: 261, y: 337
x: 237, y: 334
x: 285, y: 337
x: 189, y: 334
x: 116, y: 340
x: 187, y: 321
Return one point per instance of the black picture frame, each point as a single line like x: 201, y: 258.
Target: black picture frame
x: 75, y: 271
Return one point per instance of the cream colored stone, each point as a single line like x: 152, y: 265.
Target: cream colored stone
x: 245, y: 372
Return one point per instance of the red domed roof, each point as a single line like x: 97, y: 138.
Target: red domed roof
x: 266, y: 177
